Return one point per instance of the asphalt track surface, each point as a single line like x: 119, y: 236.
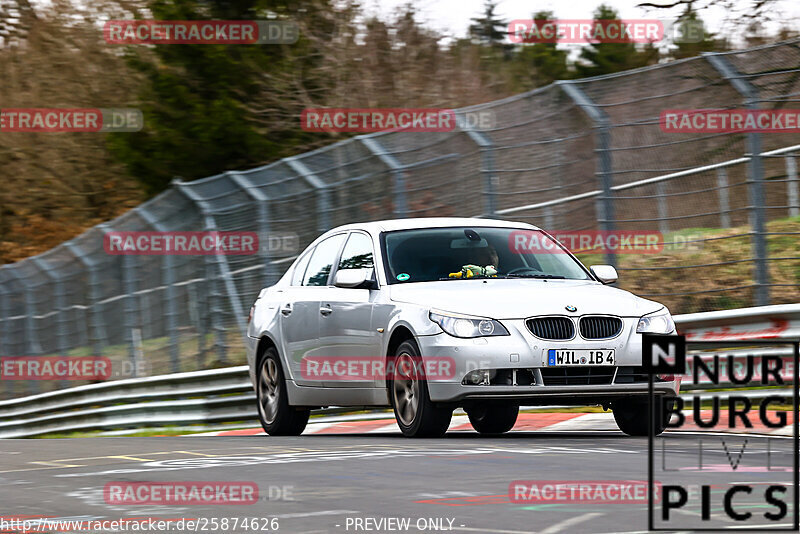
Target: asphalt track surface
x: 460, y: 482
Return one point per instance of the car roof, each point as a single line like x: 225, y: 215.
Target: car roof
x: 390, y: 225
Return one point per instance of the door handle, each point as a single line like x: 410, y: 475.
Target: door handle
x: 286, y: 310
x: 326, y: 309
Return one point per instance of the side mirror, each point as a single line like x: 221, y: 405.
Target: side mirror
x: 355, y: 278
x: 607, y: 274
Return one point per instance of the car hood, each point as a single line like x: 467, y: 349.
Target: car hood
x: 518, y: 299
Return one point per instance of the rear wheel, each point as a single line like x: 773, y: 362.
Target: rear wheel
x: 416, y: 415
x: 493, y: 417
x: 274, y: 412
x: 631, y: 415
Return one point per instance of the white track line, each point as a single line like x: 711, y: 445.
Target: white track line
x: 560, y: 527
x: 590, y: 421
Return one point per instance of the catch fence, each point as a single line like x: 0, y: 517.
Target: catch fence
x: 586, y: 154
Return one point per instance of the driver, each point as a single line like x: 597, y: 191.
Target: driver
x: 487, y: 257
x: 485, y: 263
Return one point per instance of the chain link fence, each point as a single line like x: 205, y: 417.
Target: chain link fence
x: 588, y: 154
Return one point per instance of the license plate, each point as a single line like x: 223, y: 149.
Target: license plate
x: 570, y: 357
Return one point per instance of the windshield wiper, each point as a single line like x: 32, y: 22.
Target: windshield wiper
x: 542, y: 276
x: 477, y: 277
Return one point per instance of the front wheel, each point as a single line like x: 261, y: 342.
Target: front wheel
x: 276, y: 416
x: 416, y: 415
x: 493, y: 418
x: 631, y: 415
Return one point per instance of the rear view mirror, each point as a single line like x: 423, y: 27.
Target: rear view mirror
x: 607, y: 274
x: 355, y: 278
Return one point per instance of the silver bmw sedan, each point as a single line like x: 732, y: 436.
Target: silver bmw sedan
x: 428, y: 315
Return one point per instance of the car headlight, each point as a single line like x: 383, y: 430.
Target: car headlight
x: 463, y: 326
x: 659, y: 322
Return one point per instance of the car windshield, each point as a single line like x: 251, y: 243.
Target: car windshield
x: 459, y: 253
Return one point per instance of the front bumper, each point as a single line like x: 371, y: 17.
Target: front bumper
x: 523, y: 352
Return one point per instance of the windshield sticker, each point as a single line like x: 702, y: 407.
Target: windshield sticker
x: 403, y: 277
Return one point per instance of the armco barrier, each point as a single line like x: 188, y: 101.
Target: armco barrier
x: 764, y: 322
x: 225, y: 395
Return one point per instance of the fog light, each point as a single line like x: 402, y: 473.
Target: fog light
x: 478, y: 376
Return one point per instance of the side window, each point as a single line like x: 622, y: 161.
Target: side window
x: 321, y: 263
x: 357, y: 252
x: 300, y: 270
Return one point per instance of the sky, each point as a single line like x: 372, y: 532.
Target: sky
x: 452, y: 17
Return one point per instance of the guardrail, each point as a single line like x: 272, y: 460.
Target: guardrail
x: 216, y: 395
x: 780, y: 321
x: 226, y: 395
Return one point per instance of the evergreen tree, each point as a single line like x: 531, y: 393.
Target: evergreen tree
x: 196, y: 98
x: 490, y: 31
x: 692, y: 39
x: 605, y: 58
x: 539, y: 64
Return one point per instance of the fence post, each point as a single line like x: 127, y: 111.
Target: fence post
x: 5, y: 320
x: 5, y: 333
x: 32, y: 346
x: 490, y: 178
x: 264, y: 230
x: 558, y: 210
x: 663, y: 211
x: 60, y: 307
x: 400, y: 201
x: 605, y: 168
x: 755, y: 178
x: 217, y: 267
x: 791, y: 187
x: 322, y: 192
x: 130, y: 307
x: 5, y: 329
x: 97, y: 333
x: 171, y: 312
x: 197, y: 319
x: 548, y: 219
x: 724, y: 198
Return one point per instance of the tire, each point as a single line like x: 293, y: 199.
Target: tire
x: 416, y: 415
x: 631, y: 416
x: 493, y: 417
x: 276, y: 416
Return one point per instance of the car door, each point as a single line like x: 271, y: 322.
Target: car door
x: 346, y: 331
x: 300, y: 312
